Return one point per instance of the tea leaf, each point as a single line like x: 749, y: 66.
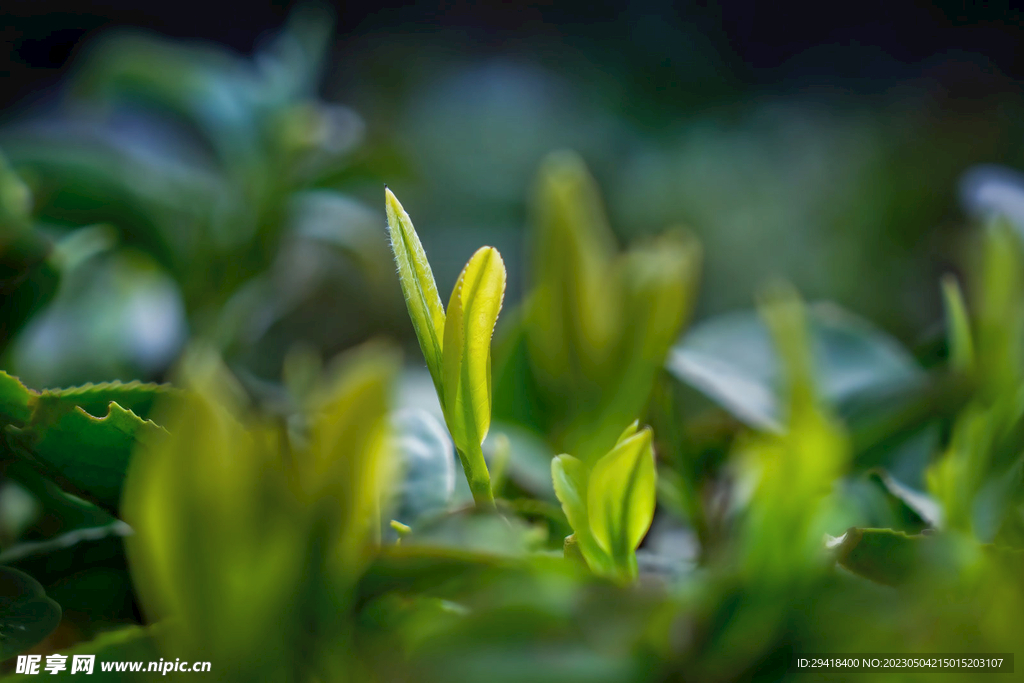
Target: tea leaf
x: 882, y: 555
x: 621, y: 495
x: 573, y: 312
x: 732, y: 360
x: 84, y: 453
x: 472, y: 312
x: 628, y: 431
x: 570, y: 479
x: 138, y: 397
x: 417, y: 280
x: 14, y: 400
x: 350, y: 459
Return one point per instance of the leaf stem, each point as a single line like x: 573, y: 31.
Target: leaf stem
x: 475, y: 467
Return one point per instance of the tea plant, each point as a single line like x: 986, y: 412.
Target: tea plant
x: 832, y: 493
x: 456, y: 344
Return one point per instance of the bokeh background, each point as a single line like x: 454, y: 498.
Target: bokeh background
x: 824, y: 145
x: 214, y: 173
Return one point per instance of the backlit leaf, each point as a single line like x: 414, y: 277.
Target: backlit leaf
x: 472, y: 313
x: 621, y: 495
x: 570, y: 479
x: 417, y: 279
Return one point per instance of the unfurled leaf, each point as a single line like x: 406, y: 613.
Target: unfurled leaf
x: 137, y: 397
x: 86, y: 454
x: 882, y: 501
x: 26, y: 614
x: 425, y: 308
x: 621, y: 491
x: 60, y: 520
x: 732, y: 360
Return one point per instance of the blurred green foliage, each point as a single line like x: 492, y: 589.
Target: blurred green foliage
x: 636, y: 502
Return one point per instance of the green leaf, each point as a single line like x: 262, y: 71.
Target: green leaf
x: 882, y: 555
x: 417, y: 280
x: 138, y: 397
x: 61, y: 520
x: 26, y: 614
x: 351, y: 451
x: 661, y: 278
x: 621, y: 492
x: 1000, y: 312
x: 573, y: 316
x: 570, y: 478
x: 85, y: 454
x: 466, y: 380
x: 472, y: 312
x: 732, y: 360
x: 15, y: 400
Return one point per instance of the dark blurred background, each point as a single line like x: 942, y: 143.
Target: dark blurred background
x: 820, y: 143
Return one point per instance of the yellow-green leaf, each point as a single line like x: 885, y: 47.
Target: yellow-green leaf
x: 628, y: 431
x: 621, y: 495
x: 570, y: 478
x: 421, y: 297
x: 472, y: 313
x: 351, y: 459
x: 574, y: 309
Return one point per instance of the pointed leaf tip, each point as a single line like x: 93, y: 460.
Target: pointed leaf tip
x: 417, y: 279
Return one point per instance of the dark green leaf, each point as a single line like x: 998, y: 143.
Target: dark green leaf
x: 731, y: 359
x: 85, y: 454
x: 882, y: 555
x: 26, y: 614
